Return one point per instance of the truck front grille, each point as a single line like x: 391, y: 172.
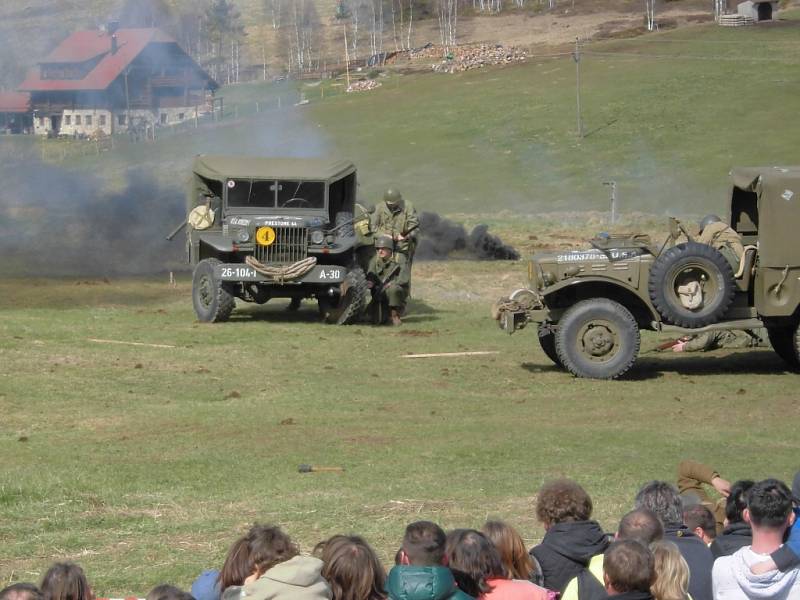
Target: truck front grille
x: 290, y: 245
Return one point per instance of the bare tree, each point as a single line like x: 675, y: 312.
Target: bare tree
x: 447, y: 12
x: 650, y: 14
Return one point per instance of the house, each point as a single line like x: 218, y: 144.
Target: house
x: 15, y: 112
x: 108, y: 81
x: 758, y: 10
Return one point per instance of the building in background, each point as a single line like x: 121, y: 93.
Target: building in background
x: 113, y: 81
x: 15, y: 113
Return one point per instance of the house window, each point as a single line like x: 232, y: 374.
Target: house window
x: 68, y: 120
x: 163, y: 118
x: 180, y: 116
x: 102, y: 120
x: 88, y: 120
x: 121, y: 119
x: 77, y: 119
x: 41, y: 121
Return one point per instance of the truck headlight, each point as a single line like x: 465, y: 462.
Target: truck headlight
x: 243, y: 235
x: 317, y: 237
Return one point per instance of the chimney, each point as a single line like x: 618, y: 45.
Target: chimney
x: 112, y: 28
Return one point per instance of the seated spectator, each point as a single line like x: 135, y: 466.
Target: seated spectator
x: 65, y: 581
x: 21, y: 591
x: 511, y: 547
x: 693, y: 480
x: 471, y: 555
x: 737, y: 533
x: 571, y: 539
x: 420, y: 573
x: 279, y: 571
x: 168, y: 592
x: 700, y: 522
x: 769, y: 511
x: 236, y: 568
x: 671, y: 572
x: 352, y: 568
x: 628, y: 570
x: 641, y: 525
x: 663, y: 499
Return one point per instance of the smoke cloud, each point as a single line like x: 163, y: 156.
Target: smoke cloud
x: 55, y: 222
x: 441, y: 238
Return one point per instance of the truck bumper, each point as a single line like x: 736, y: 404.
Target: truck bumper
x: 319, y: 274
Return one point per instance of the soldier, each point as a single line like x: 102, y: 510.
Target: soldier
x: 716, y: 233
x: 398, y: 219
x: 716, y: 340
x: 388, y: 282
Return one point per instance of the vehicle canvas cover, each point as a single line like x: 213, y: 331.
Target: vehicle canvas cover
x: 778, y: 192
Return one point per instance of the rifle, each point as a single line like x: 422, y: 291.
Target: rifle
x: 378, y: 286
x: 176, y: 230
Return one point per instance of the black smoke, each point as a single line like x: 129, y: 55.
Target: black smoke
x: 441, y: 238
x: 56, y: 222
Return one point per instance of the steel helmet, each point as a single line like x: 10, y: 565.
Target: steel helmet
x: 392, y: 196
x: 708, y: 220
x: 384, y: 241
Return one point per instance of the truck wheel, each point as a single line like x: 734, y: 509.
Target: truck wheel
x: 684, y: 264
x: 354, y: 299
x: 784, y: 341
x: 597, y: 338
x: 212, y: 302
x: 547, y: 340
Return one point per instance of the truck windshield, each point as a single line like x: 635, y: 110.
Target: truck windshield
x: 301, y: 194
x: 269, y: 194
x: 248, y: 192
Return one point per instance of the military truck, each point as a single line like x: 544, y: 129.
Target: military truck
x: 263, y: 228
x: 590, y: 305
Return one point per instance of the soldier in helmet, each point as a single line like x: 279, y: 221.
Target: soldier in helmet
x: 388, y: 282
x: 397, y: 218
x: 715, y: 232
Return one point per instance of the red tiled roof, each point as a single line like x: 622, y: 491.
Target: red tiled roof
x: 82, y: 46
x: 15, y: 102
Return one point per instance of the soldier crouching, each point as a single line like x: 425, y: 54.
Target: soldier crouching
x: 388, y: 282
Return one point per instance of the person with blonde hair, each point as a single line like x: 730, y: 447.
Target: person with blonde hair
x: 672, y: 572
x: 509, y: 544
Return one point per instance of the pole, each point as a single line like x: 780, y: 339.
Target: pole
x: 613, y: 185
x: 346, y: 57
x: 577, y: 58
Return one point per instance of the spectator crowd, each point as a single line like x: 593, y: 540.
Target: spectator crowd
x: 677, y: 543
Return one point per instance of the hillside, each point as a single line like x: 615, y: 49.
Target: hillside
x: 29, y: 31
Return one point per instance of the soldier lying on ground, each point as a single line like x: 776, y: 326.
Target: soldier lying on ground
x: 717, y: 340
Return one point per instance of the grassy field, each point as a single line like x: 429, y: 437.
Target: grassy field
x: 143, y: 463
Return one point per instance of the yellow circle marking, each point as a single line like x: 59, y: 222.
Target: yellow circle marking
x: 265, y: 236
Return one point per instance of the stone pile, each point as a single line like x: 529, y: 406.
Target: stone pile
x: 464, y: 58
x: 363, y: 85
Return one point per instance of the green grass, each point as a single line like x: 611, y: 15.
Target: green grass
x: 144, y: 463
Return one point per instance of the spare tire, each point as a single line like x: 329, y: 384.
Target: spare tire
x: 684, y: 265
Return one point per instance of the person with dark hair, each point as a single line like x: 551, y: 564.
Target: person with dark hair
x: 628, y: 570
x: 737, y: 533
x: 701, y: 522
x: 476, y: 564
x: 663, y: 499
x: 420, y: 573
x: 21, y: 591
x: 769, y: 511
x: 511, y: 547
x: 352, y: 568
x: 65, y: 581
x: 168, y: 592
x: 571, y: 539
x: 236, y: 568
x: 279, y: 572
x: 640, y: 525
x: 787, y: 556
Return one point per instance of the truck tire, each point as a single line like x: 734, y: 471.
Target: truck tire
x: 547, y: 340
x: 354, y: 300
x: 683, y: 264
x: 784, y: 341
x: 213, y: 303
x: 597, y: 338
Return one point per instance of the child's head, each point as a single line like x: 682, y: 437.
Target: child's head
x: 168, y: 592
x: 511, y: 548
x: 352, y: 569
x: 671, y: 572
x: 474, y: 560
x: 237, y: 566
x: 423, y: 544
x: 627, y: 567
x: 65, y: 581
x: 267, y: 547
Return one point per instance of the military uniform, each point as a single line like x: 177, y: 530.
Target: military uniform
x: 398, y: 219
x: 389, y: 284
x: 715, y: 340
x: 725, y: 239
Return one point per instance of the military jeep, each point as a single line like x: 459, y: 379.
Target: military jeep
x: 263, y: 228
x: 590, y: 305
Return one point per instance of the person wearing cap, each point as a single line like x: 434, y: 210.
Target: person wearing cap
x: 388, y: 282
x: 718, y: 234
x: 397, y: 218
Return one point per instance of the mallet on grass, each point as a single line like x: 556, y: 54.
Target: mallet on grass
x: 316, y: 469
